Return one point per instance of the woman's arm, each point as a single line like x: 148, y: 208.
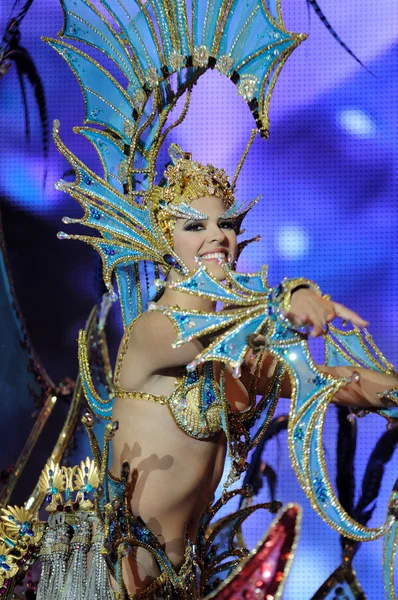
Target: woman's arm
x: 310, y: 309
x: 363, y: 392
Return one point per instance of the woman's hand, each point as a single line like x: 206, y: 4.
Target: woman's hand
x: 309, y: 309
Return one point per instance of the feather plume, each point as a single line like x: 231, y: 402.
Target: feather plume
x: 319, y: 13
x: 380, y: 456
x: 12, y: 51
x: 346, y: 446
x: 257, y: 468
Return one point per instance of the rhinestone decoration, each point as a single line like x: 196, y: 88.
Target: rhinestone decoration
x: 248, y: 86
x: 299, y: 433
x: 225, y: 64
x: 176, y: 60
x: 128, y: 128
x: 102, y: 146
x: 94, y: 213
x: 95, y: 112
x: 201, y: 56
x: 138, y: 97
x: 320, y: 490
x: 122, y: 170
x: 152, y: 78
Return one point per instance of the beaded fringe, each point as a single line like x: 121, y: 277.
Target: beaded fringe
x: 64, y: 573
x: 98, y: 583
x: 76, y: 578
x: 55, y: 553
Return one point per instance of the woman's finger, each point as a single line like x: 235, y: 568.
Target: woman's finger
x: 317, y: 330
x: 349, y: 315
x: 297, y: 320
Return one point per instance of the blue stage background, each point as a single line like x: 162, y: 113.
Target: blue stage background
x: 329, y: 180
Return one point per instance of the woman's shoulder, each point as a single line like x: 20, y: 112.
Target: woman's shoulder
x: 150, y: 339
x: 152, y: 326
x: 144, y: 341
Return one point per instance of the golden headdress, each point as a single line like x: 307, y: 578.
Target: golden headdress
x: 187, y: 180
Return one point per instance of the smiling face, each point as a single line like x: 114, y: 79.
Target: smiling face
x: 210, y: 239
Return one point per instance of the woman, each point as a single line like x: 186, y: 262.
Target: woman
x: 176, y: 425
x: 174, y: 474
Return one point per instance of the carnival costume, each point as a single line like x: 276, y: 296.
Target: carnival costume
x: 159, y: 50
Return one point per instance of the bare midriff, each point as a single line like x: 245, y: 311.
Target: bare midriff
x: 172, y: 476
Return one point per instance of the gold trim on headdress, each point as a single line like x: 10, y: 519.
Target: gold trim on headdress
x: 187, y: 180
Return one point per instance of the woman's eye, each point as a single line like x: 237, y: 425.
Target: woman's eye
x: 227, y: 224
x: 193, y: 227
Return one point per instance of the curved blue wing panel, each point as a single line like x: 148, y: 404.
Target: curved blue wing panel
x: 105, y: 101
x: 110, y: 154
x: 84, y: 24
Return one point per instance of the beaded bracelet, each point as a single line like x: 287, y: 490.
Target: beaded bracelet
x: 289, y: 286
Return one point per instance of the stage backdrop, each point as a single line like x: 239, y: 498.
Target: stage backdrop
x: 328, y: 176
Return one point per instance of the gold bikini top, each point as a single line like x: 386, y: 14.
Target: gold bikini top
x: 197, y: 403
x: 200, y: 408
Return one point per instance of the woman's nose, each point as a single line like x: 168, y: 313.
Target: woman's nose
x: 216, y: 234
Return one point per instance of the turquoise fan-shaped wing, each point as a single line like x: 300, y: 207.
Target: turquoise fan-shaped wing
x: 355, y: 347
x: 124, y: 55
x: 258, y: 313
x: 251, y: 308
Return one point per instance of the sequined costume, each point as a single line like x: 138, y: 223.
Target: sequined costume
x: 186, y: 401
x: 161, y: 48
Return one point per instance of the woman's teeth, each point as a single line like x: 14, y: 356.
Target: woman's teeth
x: 214, y: 256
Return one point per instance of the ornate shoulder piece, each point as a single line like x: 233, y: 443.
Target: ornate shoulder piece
x: 252, y: 310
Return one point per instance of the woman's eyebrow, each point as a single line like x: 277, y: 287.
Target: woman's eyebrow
x: 196, y: 220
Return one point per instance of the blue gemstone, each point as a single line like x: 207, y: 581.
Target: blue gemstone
x: 319, y: 380
x: 170, y: 260
x: 192, y: 377
x: 25, y: 529
x: 320, y: 490
x: 299, y: 434
x: 244, y: 279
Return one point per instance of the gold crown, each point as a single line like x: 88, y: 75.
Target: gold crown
x: 187, y: 180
